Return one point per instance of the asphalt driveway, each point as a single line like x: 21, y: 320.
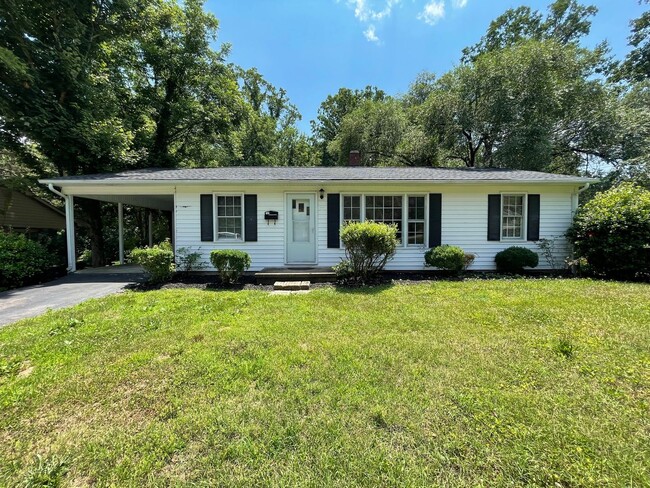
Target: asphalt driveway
x: 31, y: 301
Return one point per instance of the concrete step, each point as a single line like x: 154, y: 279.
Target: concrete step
x: 268, y: 276
x: 291, y: 285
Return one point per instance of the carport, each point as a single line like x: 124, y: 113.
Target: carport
x: 96, y: 188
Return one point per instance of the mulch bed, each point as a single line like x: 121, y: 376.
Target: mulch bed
x: 248, y: 282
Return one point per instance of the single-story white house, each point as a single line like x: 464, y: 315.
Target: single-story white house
x: 291, y: 216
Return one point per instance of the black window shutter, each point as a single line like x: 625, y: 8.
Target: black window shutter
x: 494, y: 218
x: 333, y: 220
x: 435, y: 219
x: 533, y: 218
x: 250, y: 218
x: 207, y: 218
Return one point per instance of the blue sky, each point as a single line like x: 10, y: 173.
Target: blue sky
x: 311, y: 48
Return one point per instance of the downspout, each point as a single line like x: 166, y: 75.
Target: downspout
x: 69, y: 227
x: 576, y: 197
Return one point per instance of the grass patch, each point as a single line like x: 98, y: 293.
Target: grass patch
x: 482, y: 383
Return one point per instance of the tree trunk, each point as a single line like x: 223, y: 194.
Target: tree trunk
x: 160, y: 149
x: 92, y: 211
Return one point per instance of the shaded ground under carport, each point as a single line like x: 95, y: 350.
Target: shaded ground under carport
x: 70, y: 290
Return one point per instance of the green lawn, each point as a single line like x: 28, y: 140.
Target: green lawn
x: 474, y: 383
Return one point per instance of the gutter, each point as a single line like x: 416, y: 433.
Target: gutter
x: 128, y: 182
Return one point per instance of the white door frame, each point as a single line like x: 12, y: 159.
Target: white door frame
x: 287, y: 223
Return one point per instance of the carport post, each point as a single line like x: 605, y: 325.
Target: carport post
x: 69, y: 227
x: 120, y: 229
x: 69, y: 233
x: 150, y: 229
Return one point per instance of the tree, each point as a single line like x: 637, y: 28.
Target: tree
x: 102, y: 86
x: 331, y: 113
x: 636, y: 66
x: 186, y: 100
x: 565, y: 23
x: 533, y: 105
x: 268, y: 136
x: 56, y: 93
x: 385, y: 134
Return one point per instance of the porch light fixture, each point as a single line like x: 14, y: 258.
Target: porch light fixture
x: 322, y: 193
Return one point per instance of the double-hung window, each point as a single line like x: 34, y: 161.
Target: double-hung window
x: 407, y: 212
x: 512, y: 216
x: 351, y: 208
x: 415, y: 220
x: 229, y: 219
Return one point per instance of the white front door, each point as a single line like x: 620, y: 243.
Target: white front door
x: 301, y: 229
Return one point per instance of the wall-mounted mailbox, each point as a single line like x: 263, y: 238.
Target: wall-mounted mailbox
x: 271, y: 215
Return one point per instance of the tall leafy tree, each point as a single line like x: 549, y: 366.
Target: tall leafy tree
x: 56, y: 93
x: 385, y: 134
x: 636, y: 66
x: 185, y: 98
x: 533, y: 105
x: 331, y: 112
x: 566, y: 22
x: 106, y: 85
x: 268, y: 135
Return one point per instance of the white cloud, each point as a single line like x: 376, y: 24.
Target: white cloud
x: 371, y: 34
x: 459, y: 3
x: 371, y: 13
x: 367, y: 11
x: 434, y: 11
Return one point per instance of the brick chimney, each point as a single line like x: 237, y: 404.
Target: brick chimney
x: 355, y: 158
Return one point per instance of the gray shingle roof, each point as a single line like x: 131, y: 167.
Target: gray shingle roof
x: 337, y: 173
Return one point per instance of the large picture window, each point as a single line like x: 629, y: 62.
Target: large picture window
x: 385, y: 209
x: 229, y: 217
x: 406, y: 212
x: 512, y: 216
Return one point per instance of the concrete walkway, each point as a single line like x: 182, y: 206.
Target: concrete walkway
x: 70, y: 290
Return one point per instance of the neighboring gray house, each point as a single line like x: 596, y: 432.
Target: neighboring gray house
x: 291, y: 216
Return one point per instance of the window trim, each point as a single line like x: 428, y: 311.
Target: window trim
x: 405, y: 220
x: 215, y: 212
x: 524, y: 217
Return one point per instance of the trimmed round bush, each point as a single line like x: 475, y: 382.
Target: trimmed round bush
x: 21, y: 259
x: 515, y: 259
x: 368, y: 247
x: 448, y: 258
x: 157, y: 261
x: 231, y: 264
x: 612, y: 232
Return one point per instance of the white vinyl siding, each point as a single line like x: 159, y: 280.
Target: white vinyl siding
x: 464, y: 220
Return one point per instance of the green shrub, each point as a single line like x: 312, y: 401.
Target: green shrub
x: 448, y: 258
x: 368, y: 247
x: 515, y: 259
x: 188, y: 261
x: 157, y: 261
x: 21, y: 259
x: 612, y: 232
x: 343, y: 270
x: 230, y: 263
